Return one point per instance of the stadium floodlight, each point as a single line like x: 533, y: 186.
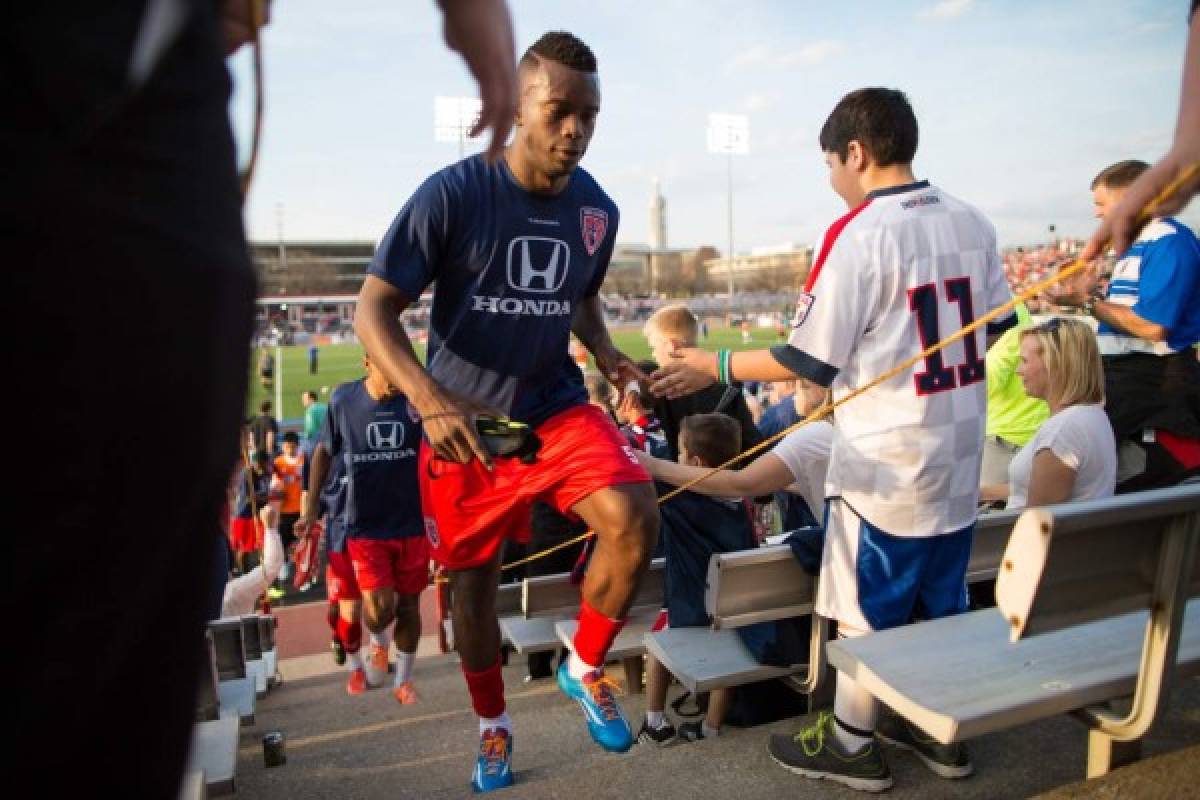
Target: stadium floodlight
x: 729, y: 135
x: 453, y: 119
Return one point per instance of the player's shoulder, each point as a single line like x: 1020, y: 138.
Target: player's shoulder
x: 343, y: 392
x: 589, y: 192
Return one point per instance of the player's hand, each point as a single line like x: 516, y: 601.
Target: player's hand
x: 617, y: 367
x: 481, y: 30
x: 1121, y: 226
x: 689, y: 370
x: 235, y: 17
x: 269, y: 515
x: 449, y: 424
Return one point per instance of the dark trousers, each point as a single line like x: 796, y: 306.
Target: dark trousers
x: 132, y: 301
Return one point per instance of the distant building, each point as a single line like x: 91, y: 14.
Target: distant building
x: 764, y: 269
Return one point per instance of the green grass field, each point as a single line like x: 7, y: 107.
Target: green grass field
x: 343, y: 362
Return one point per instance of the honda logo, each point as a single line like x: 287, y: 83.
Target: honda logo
x: 537, y: 264
x: 385, y: 435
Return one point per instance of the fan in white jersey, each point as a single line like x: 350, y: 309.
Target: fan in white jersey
x: 907, y: 266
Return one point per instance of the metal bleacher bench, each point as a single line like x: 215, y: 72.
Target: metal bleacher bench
x: 549, y: 600
x: 212, y: 759
x: 766, y: 584
x: 1093, y: 608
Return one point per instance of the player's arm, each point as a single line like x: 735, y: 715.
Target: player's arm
x: 318, y: 473
x: 447, y: 420
x: 764, y: 475
x: 589, y: 326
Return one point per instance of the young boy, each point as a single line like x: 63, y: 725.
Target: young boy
x: 906, y: 267
x: 673, y: 327
x: 635, y: 415
x: 289, y: 470
x: 694, y: 527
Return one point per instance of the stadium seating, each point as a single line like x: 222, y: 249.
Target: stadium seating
x: 1093, y: 607
x: 766, y: 584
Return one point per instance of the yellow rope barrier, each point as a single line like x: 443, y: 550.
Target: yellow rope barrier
x: 1075, y: 267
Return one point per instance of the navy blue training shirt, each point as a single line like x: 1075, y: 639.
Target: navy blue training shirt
x: 332, y: 503
x: 376, y: 443
x: 510, y: 268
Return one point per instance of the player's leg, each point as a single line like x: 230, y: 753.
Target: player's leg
x: 411, y: 566
x: 477, y: 639
x: 343, y: 586
x: 379, y: 612
x: 625, y: 519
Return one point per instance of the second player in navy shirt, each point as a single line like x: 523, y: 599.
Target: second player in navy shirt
x: 510, y: 268
x: 376, y: 443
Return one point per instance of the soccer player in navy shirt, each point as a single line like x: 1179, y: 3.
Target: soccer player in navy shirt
x: 374, y: 433
x: 518, y: 250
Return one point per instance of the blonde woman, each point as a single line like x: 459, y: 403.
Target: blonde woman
x: 1073, y: 456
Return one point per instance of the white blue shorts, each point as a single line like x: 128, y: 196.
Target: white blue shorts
x: 872, y: 580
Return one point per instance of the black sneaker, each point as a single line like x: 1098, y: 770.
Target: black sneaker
x: 691, y: 731
x: 663, y: 736
x: 814, y: 752
x: 946, y: 760
x: 339, y: 652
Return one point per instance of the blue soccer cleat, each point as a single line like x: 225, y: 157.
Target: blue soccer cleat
x: 493, y: 767
x: 594, y: 693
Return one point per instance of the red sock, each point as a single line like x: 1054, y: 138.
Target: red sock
x: 595, y: 635
x: 350, y: 634
x: 487, y: 690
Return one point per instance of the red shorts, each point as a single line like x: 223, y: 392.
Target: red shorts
x: 400, y: 564
x: 245, y: 535
x: 340, y: 583
x: 469, y: 511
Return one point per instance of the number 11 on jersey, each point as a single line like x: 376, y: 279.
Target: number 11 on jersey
x: 923, y: 302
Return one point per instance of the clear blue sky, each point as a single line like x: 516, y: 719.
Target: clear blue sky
x: 1019, y: 103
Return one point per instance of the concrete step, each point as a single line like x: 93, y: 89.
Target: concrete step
x: 371, y: 747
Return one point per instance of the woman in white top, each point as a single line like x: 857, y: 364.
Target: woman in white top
x: 1073, y: 456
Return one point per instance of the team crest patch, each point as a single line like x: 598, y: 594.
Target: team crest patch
x: 804, y: 304
x: 431, y: 532
x: 594, y: 224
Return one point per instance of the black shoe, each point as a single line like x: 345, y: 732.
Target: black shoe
x: 691, y: 731
x: 946, y: 760
x: 663, y: 736
x: 339, y: 652
x: 814, y: 752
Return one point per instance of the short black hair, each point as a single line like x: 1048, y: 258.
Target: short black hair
x: 310, y: 393
x: 563, y: 48
x: 291, y: 436
x: 881, y: 120
x: 265, y: 407
x: 1119, y: 175
x: 713, y: 438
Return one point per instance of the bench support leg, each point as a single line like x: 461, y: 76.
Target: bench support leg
x: 633, y: 674
x: 1106, y: 753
